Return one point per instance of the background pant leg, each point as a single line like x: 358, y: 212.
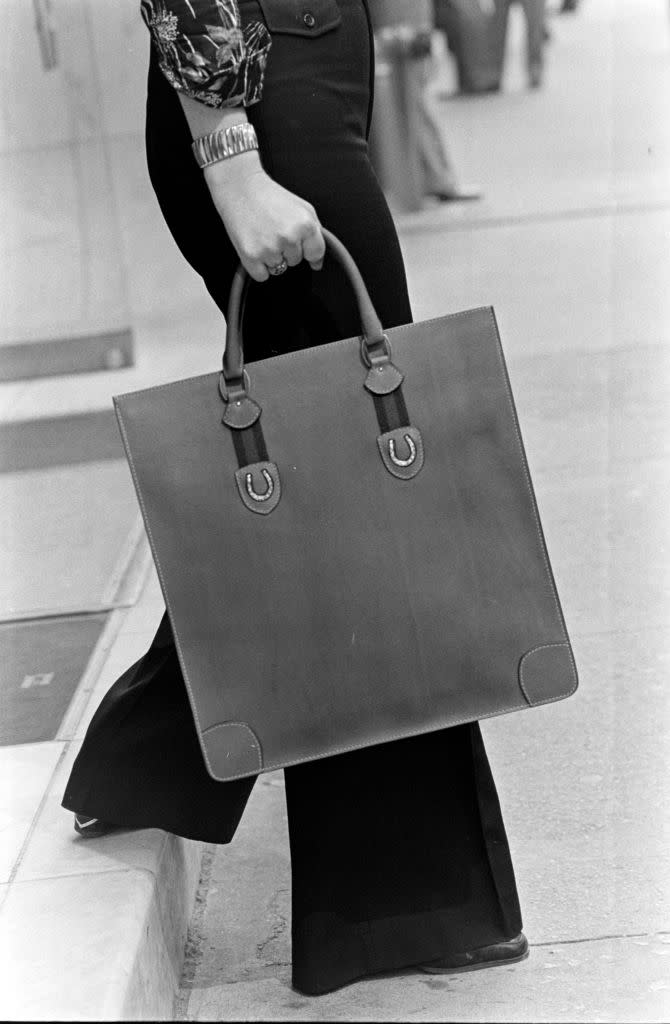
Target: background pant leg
x: 534, y: 11
x: 140, y: 764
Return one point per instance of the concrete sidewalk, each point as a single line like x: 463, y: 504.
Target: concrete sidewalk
x: 89, y: 930
x: 572, y: 246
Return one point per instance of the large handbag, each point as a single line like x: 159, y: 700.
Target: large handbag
x: 347, y: 539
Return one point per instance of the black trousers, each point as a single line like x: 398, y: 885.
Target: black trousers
x: 398, y: 852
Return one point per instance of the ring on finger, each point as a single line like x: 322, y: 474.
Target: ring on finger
x: 278, y: 268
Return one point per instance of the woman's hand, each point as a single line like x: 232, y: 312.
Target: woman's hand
x: 265, y: 222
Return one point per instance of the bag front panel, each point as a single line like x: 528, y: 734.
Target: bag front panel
x: 364, y: 607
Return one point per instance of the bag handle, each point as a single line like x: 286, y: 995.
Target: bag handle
x: 258, y: 478
x: 373, y: 340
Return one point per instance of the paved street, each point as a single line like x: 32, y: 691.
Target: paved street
x: 572, y: 246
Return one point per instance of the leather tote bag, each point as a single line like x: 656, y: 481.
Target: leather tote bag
x: 347, y: 539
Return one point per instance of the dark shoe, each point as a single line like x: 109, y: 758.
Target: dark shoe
x: 92, y: 828
x: 458, y: 193
x: 500, y: 953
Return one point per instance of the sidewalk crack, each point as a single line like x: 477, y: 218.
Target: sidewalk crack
x: 279, y: 926
x: 599, y: 938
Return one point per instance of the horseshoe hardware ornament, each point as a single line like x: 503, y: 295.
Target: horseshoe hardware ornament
x: 269, y: 490
x: 259, y: 486
x: 402, y: 439
x: 402, y: 463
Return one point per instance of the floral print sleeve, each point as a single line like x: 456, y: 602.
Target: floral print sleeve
x: 203, y: 50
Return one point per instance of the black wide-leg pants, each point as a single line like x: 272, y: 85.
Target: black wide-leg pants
x: 398, y: 851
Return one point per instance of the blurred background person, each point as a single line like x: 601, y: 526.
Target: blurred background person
x: 468, y: 27
x: 476, y: 32
x: 407, y: 123
x: 440, y: 179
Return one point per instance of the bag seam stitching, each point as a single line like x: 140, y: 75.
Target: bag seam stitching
x: 548, y: 700
x: 274, y: 766
x: 243, y: 725
x: 159, y: 570
x: 299, y: 352
x: 517, y: 433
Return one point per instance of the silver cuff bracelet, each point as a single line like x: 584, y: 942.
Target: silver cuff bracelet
x: 220, y: 145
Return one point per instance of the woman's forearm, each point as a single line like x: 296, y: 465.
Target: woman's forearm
x: 217, y: 68
x: 202, y: 120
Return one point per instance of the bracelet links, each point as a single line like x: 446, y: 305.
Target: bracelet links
x: 222, y: 144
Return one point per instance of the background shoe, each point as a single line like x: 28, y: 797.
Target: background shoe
x: 457, y: 194
x: 92, y: 828
x: 482, y: 90
x: 500, y: 953
x: 535, y: 76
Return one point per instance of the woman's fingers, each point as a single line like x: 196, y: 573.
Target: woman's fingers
x: 255, y: 269
x: 292, y: 253
x: 269, y: 226
x: 314, y: 247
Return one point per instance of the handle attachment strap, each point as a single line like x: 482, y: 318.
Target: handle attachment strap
x: 374, y: 343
